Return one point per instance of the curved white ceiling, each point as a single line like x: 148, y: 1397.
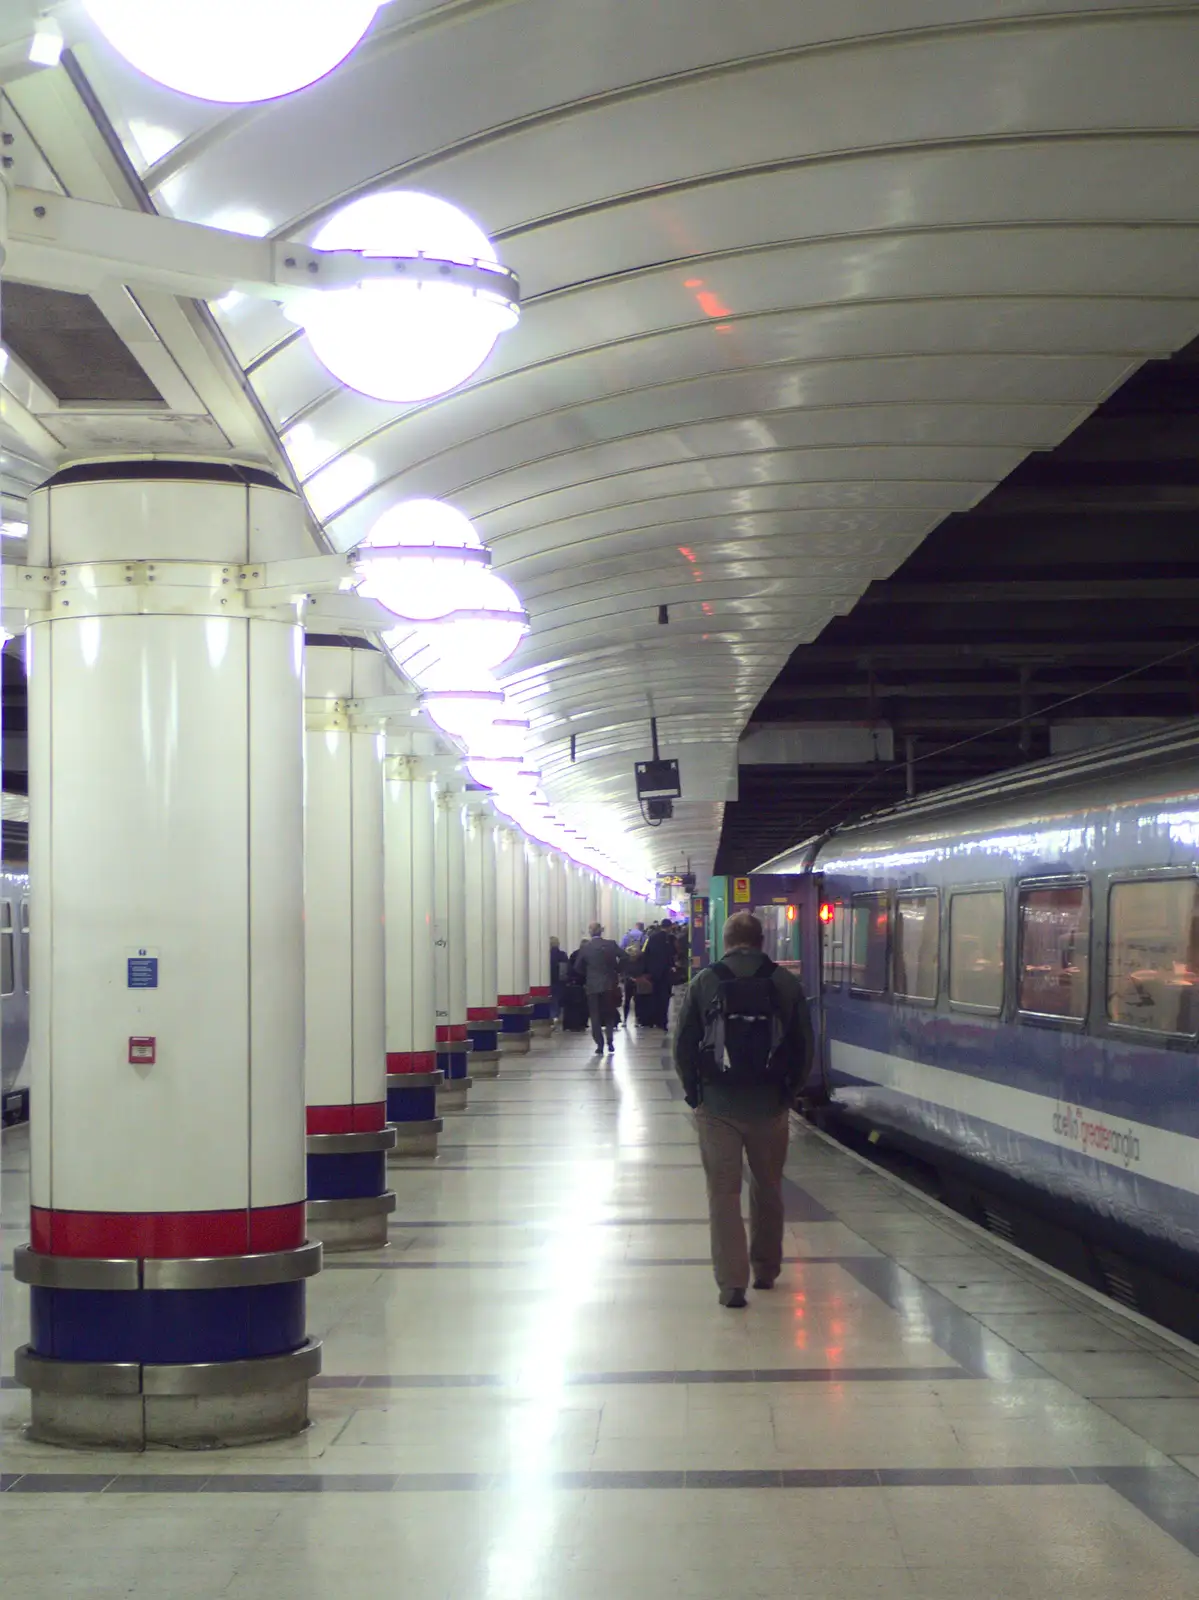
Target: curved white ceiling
x: 801, y: 277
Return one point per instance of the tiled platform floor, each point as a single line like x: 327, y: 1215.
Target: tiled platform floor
x: 533, y: 1395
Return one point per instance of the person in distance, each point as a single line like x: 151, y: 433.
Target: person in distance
x: 742, y: 1052
x: 600, y: 963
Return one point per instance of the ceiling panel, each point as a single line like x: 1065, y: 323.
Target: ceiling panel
x: 800, y: 280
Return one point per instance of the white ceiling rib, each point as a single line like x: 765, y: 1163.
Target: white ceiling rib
x: 801, y: 278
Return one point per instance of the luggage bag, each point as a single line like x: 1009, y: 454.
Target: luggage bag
x: 574, y: 1009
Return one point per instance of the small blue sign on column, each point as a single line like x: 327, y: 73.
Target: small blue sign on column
x: 143, y: 972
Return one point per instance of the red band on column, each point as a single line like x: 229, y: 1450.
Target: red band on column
x: 369, y: 1118
x: 512, y: 1000
x: 451, y: 1033
x: 411, y: 1061
x: 540, y: 993
x: 482, y: 1014
x: 166, y: 1235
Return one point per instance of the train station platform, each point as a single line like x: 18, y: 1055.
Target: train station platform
x: 533, y: 1393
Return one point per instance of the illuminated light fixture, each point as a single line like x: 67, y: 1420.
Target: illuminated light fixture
x: 233, y: 51
x: 466, y: 713
x: 416, y: 559
x: 428, y: 322
x: 826, y: 913
x: 45, y: 48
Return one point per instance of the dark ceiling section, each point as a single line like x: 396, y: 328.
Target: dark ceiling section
x: 13, y: 720
x: 1060, y: 597
x: 69, y: 346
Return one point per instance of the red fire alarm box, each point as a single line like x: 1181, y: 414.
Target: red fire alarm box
x: 143, y: 1052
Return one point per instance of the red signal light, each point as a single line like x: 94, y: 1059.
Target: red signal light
x: 790, y: 913
x: 826, y: 912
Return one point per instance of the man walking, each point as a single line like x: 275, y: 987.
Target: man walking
x: 657, y: 959
x: 742, y: 1051
x: 599, y: 963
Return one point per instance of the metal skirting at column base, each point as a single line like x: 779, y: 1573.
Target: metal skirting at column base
x: 453, y: 1095
x: 415, y: 1139
x: 485, y: 1064
x: 357, y: 1224
x: 515, y: 1044
x: 205, y: 1407
x: 542, y: 1027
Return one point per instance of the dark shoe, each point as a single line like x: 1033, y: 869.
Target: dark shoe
x: 611, y: 1049
x: 733, y: 1299
x: 763, y: 1283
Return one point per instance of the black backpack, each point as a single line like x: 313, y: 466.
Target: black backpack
x: 743, y: 1030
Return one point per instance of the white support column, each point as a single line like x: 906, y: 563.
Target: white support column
x: 449, y: 900
x: 166, y: 800
x: 512, y: 940
x: 345, y: 1061
x: 410, y: 799
x: 482, y: 984
x: 555, y: 878
x: 539, y: 940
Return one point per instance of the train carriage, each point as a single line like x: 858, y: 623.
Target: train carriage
x: 1009, y: 991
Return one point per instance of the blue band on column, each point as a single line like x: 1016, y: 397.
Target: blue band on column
x: 485, y: 1039
x: 542, y: 1010
x: 167, y: 1326
x: 347, y: 1177
x: 517, y: 1024
x: 409, y: 1105
x: 453, y: 1064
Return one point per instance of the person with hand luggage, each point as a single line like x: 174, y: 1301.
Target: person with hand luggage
x: 600, y: 963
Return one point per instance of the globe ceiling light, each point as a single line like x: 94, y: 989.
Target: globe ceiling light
x: 233, y: 51
x: 429, y: 321
x: 417, y: 558
x: 468, y: 714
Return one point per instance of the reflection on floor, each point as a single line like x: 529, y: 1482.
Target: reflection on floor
x: 533, y: 1395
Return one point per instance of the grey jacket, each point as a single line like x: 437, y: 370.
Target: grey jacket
x: 600, y: 963
x: 763, y: 1100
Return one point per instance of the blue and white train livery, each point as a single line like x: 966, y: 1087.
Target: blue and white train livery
x: 1009, y: 988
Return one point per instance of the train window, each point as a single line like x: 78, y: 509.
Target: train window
x: 1153, y: 955
x: 868, y: 943
x: 8, y: 982
x: 914, y: 964
x: 25, y: 945
x: 976, y: 931
x: 833, y: 940
x: 1055, y: 937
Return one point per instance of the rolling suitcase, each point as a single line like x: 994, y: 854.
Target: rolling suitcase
x: 643, y: 1004
x: 574, y: 1009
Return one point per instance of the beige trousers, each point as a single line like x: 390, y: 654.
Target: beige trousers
x: 725, y: 1143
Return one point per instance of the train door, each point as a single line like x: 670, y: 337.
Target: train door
x: 811, y: 934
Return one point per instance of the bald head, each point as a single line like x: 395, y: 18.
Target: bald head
x: 743, y: 931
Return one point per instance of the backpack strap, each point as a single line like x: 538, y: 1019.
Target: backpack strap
x: 725, y: 974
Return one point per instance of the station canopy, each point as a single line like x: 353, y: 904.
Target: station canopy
x: 800, y: 278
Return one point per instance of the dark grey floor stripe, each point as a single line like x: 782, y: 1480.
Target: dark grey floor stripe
x: 489, y: 1380
x: 745, y: 1478
x: 554, y: 1227
x: 392, y: 1264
